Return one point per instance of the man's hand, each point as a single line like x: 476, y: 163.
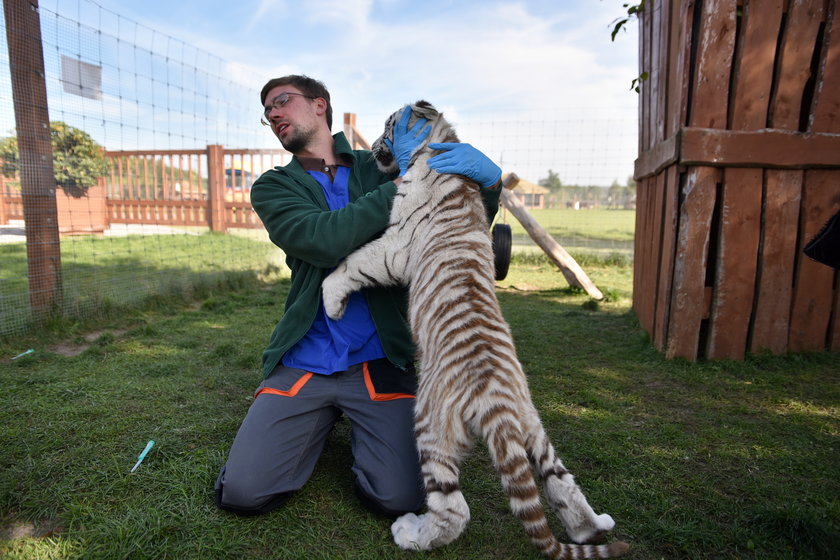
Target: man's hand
x: 406, y: 140
x: 463, y: 159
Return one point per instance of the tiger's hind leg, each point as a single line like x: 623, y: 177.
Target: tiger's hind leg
x: 566, y: 498
x: 447, y: 510
x: 445, y: 520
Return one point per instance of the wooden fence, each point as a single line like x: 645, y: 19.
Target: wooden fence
x: 204, y: 187
x: 739, y: 166
x: 208, y: 187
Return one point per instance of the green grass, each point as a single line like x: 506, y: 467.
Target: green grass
x: 611, y: 225
x: 109, y: 274
x: 102, y: 275
x: 720, y: 460
x: 592, y: 231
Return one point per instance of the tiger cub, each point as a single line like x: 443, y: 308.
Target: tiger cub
x: 471, y: 382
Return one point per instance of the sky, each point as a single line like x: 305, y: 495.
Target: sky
x: 533, y: 83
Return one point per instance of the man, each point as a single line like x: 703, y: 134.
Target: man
x: 328, y: 201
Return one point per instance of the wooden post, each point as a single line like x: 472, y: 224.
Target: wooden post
x: 216, y: 187
x: 573, y: 273
x: 37, y: 180
x: 4, y: 213
x: 354, y: 137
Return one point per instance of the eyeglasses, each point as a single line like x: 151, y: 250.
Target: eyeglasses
x: 277, y: 103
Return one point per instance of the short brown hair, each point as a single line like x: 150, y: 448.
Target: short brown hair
x: 306, y: 85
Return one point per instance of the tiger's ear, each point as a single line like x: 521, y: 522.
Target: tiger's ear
x: 425, y: 110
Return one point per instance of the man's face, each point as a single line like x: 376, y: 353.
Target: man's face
x: 294, y: 123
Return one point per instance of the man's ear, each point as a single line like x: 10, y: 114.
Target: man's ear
x: 320, y: 106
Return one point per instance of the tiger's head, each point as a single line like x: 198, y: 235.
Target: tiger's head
x: 441, y: 132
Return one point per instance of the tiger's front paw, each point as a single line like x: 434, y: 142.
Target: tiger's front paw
x: 335, y: 297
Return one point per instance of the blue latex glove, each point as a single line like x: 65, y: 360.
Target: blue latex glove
x: 406, y: 140
x: 463, y: 159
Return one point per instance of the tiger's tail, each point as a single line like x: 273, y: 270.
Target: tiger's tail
x: 508, y: 449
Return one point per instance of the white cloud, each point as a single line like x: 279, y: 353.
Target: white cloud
x: 353, y: 15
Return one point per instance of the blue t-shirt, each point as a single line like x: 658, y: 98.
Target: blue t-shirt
x: 330, y: 346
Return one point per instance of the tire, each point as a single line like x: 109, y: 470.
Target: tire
x: 502, y: 242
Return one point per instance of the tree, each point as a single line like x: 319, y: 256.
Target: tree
x: 552, y: 182
x: 78, y: 161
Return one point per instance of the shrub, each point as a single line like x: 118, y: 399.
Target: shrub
x: 78, y: 161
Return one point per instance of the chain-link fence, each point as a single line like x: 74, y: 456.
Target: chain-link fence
x: 153, y: 150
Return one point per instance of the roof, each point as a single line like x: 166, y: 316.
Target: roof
x: 527, y: 187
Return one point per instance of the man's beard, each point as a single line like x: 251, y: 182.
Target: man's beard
x: 298, y: 140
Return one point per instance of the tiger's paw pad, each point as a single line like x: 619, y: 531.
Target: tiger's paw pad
x: 406, y: 532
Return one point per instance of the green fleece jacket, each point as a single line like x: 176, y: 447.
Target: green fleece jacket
x: 294, y: 210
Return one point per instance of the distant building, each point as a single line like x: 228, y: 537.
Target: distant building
x: 530, y: 194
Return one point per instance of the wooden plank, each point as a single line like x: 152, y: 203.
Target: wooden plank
x: 816, y: 290
x: 651, y: 250
x: 639, y: 248
x: 250, y: 151
x: 216, y: 184
x: 754, y: 64
x: 813, y: 292
x: 776, y: 261
x: 825, y: 115
x: 687, y: 297
x: 768, y: 148
x: 667, y: 257
x: 4, y: 213
x: 740, y: 220
x: 732, y: 298
x: 646, y: 65
x: 715, y: 44
x: 641, y: 273
x: 659, y: 157
x: 681, y: 16
x: 144, y: 153
x: 657, y: 87
x: 797, y: 50
x: 655, y: 219
x: 571, y: 270
x: 780, y: 149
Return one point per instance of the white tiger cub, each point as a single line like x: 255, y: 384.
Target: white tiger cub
x: 471, y: 382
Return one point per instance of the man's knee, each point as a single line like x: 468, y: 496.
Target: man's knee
x: 245, y: 498
x: 392, y: 501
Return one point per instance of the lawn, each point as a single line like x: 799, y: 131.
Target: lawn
x: 109, y: 273
x: 593, y: 223
x: 594, y: 231
x: 723, y: 460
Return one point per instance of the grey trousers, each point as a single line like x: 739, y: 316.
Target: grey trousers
x: 284, y: 431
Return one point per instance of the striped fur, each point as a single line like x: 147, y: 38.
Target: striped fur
x: 471, y: 382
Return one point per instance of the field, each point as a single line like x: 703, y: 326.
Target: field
x: 107, y: 274
x: 718, y: 460
x: 593, y: 231
x: 111, y: 273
